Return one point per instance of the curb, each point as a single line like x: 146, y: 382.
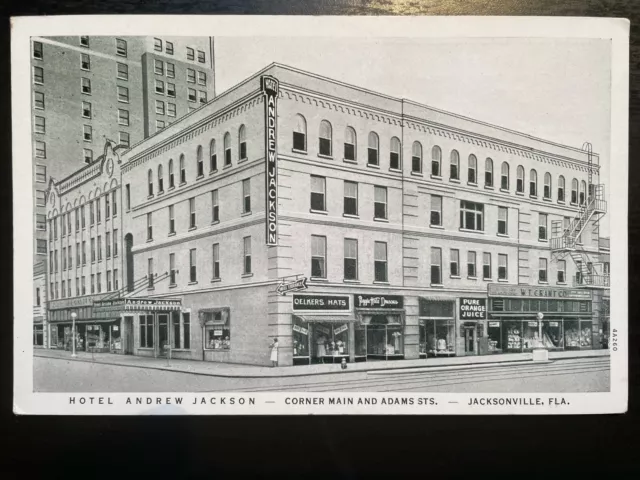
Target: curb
x: 502, y: 363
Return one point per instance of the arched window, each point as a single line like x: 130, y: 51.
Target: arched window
x: 227, y: 149
x: 171, y: 180
x: 455, y: 165
x: 199, y: 162
x: 504, y: 176
x: 520, y: 179
x: 374, y: 144
x: 394, y: 154
x: 150, y: 182
x: 416, y: 157
x: 242, y: 142
x: 183, y: 172
x: 325, y: 139
x: 213, y: 157
x: 561, y: 188
x: 488, y: 173
x: 300, y: 134
x: 533, y: 183
x: 547, y: 186
x: 350, y: 144
x: 436, y: 160
x: 473, y: 166
x: 583, y: 191
x: 160, y: 180
x: 574, y: 191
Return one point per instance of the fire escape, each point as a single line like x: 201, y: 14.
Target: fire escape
x: 565, y: 239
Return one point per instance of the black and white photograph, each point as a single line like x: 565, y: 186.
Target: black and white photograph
x: 310, y: 218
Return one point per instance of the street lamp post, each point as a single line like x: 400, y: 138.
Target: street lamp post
x: 73, y: 334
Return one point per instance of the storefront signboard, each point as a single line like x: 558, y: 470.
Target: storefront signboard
x: 473, y: 308
x: 270, y: 90
x: 533, y: 324
x: 217, y: 333
x: 104, y: 306
x: 292, y: 286
x: 301, y: 330
x: 322, y: 303
x: 496, y: 290
x: 322, y: 329
x: 553, y: 324
x: 494, y: 324
x: 379, y: 301
x: 341, y: 329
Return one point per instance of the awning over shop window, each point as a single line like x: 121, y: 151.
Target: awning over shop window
x: 328, y: 318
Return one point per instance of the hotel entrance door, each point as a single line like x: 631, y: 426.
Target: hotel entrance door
x: 470, y: 347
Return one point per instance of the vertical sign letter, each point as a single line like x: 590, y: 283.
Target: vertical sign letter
x: 270, y: 90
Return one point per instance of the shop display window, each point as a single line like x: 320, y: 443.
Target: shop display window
x: 38, y: 337
x: 301, y: 353
x: 96, y: 337
x: 512, y: 336
x: 217, y: 330
x: 384, y: 337
x: 494, y: 334
x: 116, y: 338
x: 361, y: 342
x: 571, y: 334
x: 531, y: 335
x: 437, y: 337
x: 586, y: 330
x: 552, y: 334
x: 330, y: 341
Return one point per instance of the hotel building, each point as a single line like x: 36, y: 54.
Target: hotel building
x: 417, y: 232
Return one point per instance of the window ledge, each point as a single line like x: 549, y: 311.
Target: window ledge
x: 504, y: 190
x: 181, y: 349
x: 437, y: 285
x: 520, y: 193
x: 217, y: 349
x: 546, y: 199
x: 327, y: 157
x: 489, y: 187
x: 384, y: 220
x: 216, y: 280
x: 161, y: 192
x: 303, y: 152
x: 350, y: 215
x: 373, y: 165
x: 318, y: 279
x: 149, y: 197
x: 149, y: 240
x: 561, y: 202
x: 182, y: 183
x: 439, y: 227
x: 472, y: 278
x: 321, y: 212
x: 455, y: 276
x: 242, y: 160
x: 148, y: 288
x: 486, y: 279
x: 171, y: 234
x: 200, y: 176
x: 472, y: 184
x: 416, y: 174
x: 503, y: 280
x: 211, y: 172
x: 347, y: 280
x: 348, y: 160
x: 193, y: 283
x: 533, y: 196
x: 436, y: 177
x: 226, y: 167
x: 506, y: 235
x: 173, y: 285
x: 215, y: 222
x: 454, y: 180
x: 472, y: 231
x: 561, y: 283
x: 395, y: 170
x: 247, y: 275
x: 543, y: 283
x: 245, y: 214
x: 169, y: 189
x: 191, y: 229
x: 379, y: 282
x: 544, y: 240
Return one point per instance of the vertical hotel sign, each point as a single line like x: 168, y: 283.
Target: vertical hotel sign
x: 270, y: 90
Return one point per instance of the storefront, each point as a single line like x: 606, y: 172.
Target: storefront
x: 437, y: 325
x: 515, y: 323
x: 472, y: 315
x: 379, y: 333
x: 91, y: 333
x: 38, y: 332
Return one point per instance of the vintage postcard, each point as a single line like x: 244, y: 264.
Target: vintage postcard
x: 320, y: 215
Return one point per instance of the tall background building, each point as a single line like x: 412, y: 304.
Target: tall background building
x: 86, y: 90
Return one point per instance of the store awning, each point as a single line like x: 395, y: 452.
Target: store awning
x: 328, y: 318
x: 438, y: 299
x: 96, y: 320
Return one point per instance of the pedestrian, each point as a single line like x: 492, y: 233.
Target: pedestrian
x: 343, y: 364
x: 274, y: 352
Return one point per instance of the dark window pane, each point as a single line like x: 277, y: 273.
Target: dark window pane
x: 350, y: 206
x: 349, y: 151
x: 394, y: 160
x: 435, y: 218
x: 325, y: 146
x: 416, y: 164
x: 299, y: 142
x: 317, y: 267
x: 454, y: 269
x: 350, y: 269
x: 454, y: 172
x: 435, y: 169
x: 435, y: 275
x: 380, y: 210
x: 488, y: 179
x: 380, y: 271
x: 373, y: 156
x: 317, y: 201
x: 243, y: 150
x: 520, y: 185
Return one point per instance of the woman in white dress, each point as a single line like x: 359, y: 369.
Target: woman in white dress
x: 274, y: 353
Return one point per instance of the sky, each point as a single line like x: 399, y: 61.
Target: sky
x: 555, y: 89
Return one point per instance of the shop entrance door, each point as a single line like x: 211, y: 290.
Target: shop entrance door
x: 470, y: 341
x: 128, y: 335
x: 163, y: 334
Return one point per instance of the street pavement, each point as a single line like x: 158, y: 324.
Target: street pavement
x: 583, y: 374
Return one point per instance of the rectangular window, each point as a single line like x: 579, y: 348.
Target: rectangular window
x: 471, y: 215
x: 172, y: 220
x: 77, y: 286
x: 121, y: 47
x: 150, y: 276
x: 115, y: 242
x: 454, y: 263
x: 168, y: 48
x: 41, y: 173
x: 350, y: 198
x: 123, y: 94
x: 542, y: 270
x: 107, y: 207
x: 436, y: 266
x: 201, y: 56
x: 42, y: 247
x: 171, y: 92
x: 41, y: 221
x: 84, y: 286
x: 93, y: 250
x: 502, y: 266
x: 542, y: 226
x: 85, y: 61
x: 77, y: 255
x: 123, y: 117
x: 115, y: 279
x: 86, y: 110
x: 124, y: 139
x: 350, y: 259
x: 87, y: 133
x: 486, y: 266
x: 41, y: 149
x: 191, y: 94
x: 86, y: 86
x: 159, y: 107
x: 192, y: 212
x: 190, y: 53
x: 84, y: 252
x: 193, y: 274
x: 88, y: 155
x: 562, y: 271
x: 99, y: 248
x: 157, y: 44
x: 502, y: 220
x: 159, y: 90
x: 123, y: 71
x: 380, y: 261
x: 171, y: 70
x: 77, y: 215
x: 247, y: 255
x: 41, y: 198
x: 149, y: 226
x: 202, y: 96
x: 216, y: 261
x: 436, y: 210
x: 146, y: 331
x: 40, y: 125
x: 84, y: 41
x: 202, y: 78
x: 171, y: 109
x: 114, y: 202
x: 127, y: 197
x: 380, y: 202
x: 215, y: 208
x: 246, y: 195
x: 317, y: 193
x: 92, y: 215
x: 471, y: 264
x: 172, y: 269
x: 38, y: 75
x: 159, y: 125
x: 318, y: 256
x: 37, y: 50
x: 191, y: 75
x: 38, y: 100
x: 107, y: 241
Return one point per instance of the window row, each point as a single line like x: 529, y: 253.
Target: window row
x: 66, y: 253
x: 63, y: 289
x: 80, y: 217
x: 168, y: 46
x: 121, y: 45
x: 325, y: 149
x: 191, y: 53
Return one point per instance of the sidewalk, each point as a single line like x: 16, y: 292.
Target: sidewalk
x: 197, y: 367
